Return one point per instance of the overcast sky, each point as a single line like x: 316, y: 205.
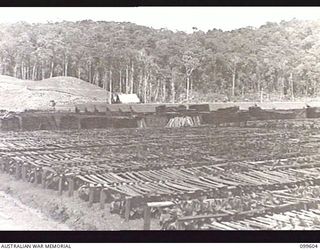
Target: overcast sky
x: 174, y: 18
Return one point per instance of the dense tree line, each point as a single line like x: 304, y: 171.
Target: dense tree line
x: 277, y: 59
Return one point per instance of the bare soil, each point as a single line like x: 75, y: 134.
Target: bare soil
x: 16, y: 216
x: 24, y: 206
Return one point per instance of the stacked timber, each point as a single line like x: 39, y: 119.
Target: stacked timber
x: 153, y: 121
x: 69, y: 122
x: 11, y: 123
x: 222, y: 116
x: 123, y: 122
x: 114, y: 109
x: 200, y: 107
x: 229, y: 110
x: 125, y: 110
x: 184, y: 121
x: 313, y: 112
x: 142, y: 123
x: 38, y: 122
x: 282, y: 114
x: 143, y: 109
x: 300, y: 113
x: 91, y: 108
x: 30, y: 122
x: 170, y: 109
x: 257, y: 113
x: 81, y: 108
x: 260, y: 114
x: 91, y: 122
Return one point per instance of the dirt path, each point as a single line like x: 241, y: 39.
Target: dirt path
x: 16, y: 216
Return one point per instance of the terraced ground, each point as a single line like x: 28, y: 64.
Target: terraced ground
x: 130, y: 167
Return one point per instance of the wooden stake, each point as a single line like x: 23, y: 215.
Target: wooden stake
x: 79, y: 122
x: 3, y: 166
x: 35, y: 178
x: 43, y: 178
x: 91, y: 196
x: 179, y: 226
x: 39, y: 180
x: 70, y: 186
x: 24, y: 173
x: 61, y: 185
x: 17, y: 172
x: 103, y: 197
x: 147, y: 218
x: 127, y: 209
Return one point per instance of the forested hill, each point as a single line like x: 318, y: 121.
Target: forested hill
x: 278, y: 59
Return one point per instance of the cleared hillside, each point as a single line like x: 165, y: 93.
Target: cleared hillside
x: 18, y: 95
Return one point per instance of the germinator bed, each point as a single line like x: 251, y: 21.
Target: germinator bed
x: 137, y: 166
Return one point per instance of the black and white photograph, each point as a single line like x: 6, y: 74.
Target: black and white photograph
x: 159, y: 118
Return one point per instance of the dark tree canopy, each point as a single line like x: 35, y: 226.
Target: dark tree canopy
x: 277, y: 60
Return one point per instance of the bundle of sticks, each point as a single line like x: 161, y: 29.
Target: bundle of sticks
x: 184, y: 121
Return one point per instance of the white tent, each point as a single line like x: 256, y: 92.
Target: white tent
x: 126, y: 98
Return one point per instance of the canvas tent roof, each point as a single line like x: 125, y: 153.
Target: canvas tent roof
x: 128, y: 98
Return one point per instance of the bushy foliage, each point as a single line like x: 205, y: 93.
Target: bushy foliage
x: 279, y: 59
